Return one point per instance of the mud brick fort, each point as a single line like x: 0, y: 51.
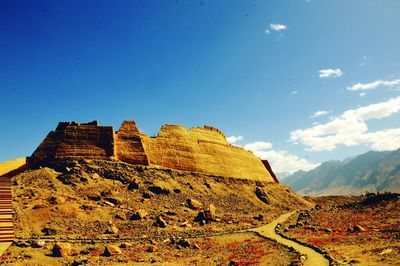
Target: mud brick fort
x: 204, y: 150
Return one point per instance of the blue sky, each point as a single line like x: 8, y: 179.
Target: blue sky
x: 258, y: 70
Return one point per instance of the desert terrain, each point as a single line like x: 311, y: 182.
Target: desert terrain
x: 149, y: 214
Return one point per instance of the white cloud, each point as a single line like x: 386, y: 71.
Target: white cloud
x: 281, y: 161
x: 374, y: 85
x: 364, y: 61
x: 276, y: 27
x: 319, y: 113
x: 362, y: 94
x: 258, y: 146
x: 350, y: 129
x: 330, y: 73
x: 294, y: 92
x: 234, y: 139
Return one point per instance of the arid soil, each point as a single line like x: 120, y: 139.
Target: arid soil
x: 164, y: 216
x: 362, y: 230
x: 231, y: 249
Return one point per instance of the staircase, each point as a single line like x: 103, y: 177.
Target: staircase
x: 6, y: 225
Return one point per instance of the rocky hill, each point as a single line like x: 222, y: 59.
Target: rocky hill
x: 369, y: 172
x: 98, y: 202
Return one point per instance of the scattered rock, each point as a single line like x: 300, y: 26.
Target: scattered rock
x: 183, y: 243
x: 146, y: 195
x: 259, y: 217
x: 80, y: 261
x: 112, y: 230
x: 151, y: 248
x: 194, y: 204
x: 161, y: 222
x: 84, y: 252
x: 62, y: 249
x: 57, y: 200
x: 22, y: 244
x: 139, y: 215
x: 39, y: 243
x: 109, y: 203
x: 125, y: 245
x: 195, y: 246
x: 159, y: 190
x: 48, y: 231
x: 94, y: 195
x: 112, y: 250
x: 262, y: 195
x: 106, y: 193
x: 113, y: 201
x: 386, y: 251
x: 133, y: 185
x: 358, y: 228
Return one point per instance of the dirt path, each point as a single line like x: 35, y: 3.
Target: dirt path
x: 313, y: 257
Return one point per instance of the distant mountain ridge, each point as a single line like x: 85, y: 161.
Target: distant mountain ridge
x: 369, y: 172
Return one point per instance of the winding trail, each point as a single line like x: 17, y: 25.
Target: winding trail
x: 313, y: 258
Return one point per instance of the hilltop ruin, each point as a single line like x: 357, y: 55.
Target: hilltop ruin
x: 204, y: 150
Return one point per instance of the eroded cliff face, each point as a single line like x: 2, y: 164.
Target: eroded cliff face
x: 197, y: 149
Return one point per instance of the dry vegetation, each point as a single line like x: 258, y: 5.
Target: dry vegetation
x: 354, y: 230
x: 155, y: 210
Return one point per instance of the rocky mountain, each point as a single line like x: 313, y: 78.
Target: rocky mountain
x: 370, y: 172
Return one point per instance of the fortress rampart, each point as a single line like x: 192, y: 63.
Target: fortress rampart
x: 197, y: 149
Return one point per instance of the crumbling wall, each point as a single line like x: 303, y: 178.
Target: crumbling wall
x: 198, y: 149
x: 128, y: 144
x: 71, y: 139
x: 203, y: 150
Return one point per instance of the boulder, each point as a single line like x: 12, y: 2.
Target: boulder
x: 139, y: 215
x: 208, y: 214
x: 106, y: 193
x: 159, y: 190
x: 160, y: 222
x: 48, y: 231
x: 151, y: 248
x: 133, y: 185
x: 183, y: 243
x: 93, y: 195
x: 358, y: 228
x: 112, y: 250
x: 112, y: 230
x: 194, y: 204
x: 262, y: 195
x: 61, y: 249
x: 57, y: 200
x: 39, y: 243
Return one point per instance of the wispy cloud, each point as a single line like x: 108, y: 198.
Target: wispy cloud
x: 294, y: 92
x: 281, y: 161
x: 350, y: 129
x: 234, y: 139
x: 276, y: 27
x: 319, y: 113
x: 330, y: 73
x: 364, y: 60
x: 374, y: 85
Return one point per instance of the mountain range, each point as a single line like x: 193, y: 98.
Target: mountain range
x: 369, y: 172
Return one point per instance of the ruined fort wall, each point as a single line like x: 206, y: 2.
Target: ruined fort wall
x: 71, y: 139
x: 128, y: 144
x: 198, y: 149
x: 203, y: 150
